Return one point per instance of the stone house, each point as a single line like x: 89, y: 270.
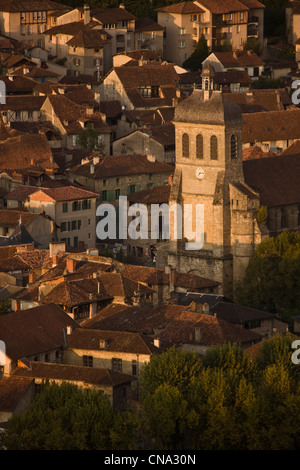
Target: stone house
x: 243, y: 60
x: 70, y: 119
x: 148, y: 35
x: 119, y: 351
x: 158, y: 141
x: 73, y: 211
x: 273, y: 131
x: 40, y: 227
x: 21, y: 109
x: 36, y: 334
x: 141, y: 87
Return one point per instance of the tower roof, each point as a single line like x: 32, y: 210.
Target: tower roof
x: 216, y: 109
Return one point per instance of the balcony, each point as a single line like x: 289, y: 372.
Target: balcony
x: 253, y: 20
x: 252, y: 32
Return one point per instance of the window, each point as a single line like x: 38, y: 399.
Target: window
x: 181, y: 44
x: 63, y: 227
x: 181, y: 31
x: 104, y: 183
x: 131, y: 189
x: 76, y: 206
x: 199, y: 146
x: 185, y: 146
x: 117, y: 181
x: 74, y: 224
x: 65, y: 207
x: 152, y: 34
x: 117, y: 193
x: 116, y: 364
x: 134, y: 367
x: 18, y: 114
x: 22, y: 29
x: 34, y: 15
x: 213, y: 148
x: 87, y: 361
x: 30, y: 114
x: 29, y: 30
x: 75, y: 242
x: 233, y: 147
x: 104, y: 195
x: 23, y: 16
x: 86, y: 204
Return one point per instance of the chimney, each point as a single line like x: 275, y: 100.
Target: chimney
x: 172, y: 279
x: 151, y: 158
x: 31, y: 278
x: 92, y: 169
x: 70, y: 265
x: 235, y: 54
x: 157, y: 342
x: 170, y: 179
x: 122, y: 6
x: 86, y: 14
x: 198, y: 334
x: 96, y: 160
x: 54, y: 261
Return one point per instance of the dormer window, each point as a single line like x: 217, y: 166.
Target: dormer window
x: 149, y: 91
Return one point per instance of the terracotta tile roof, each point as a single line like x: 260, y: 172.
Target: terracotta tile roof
x: 34, y: 331
x: 111, y: 15
x: 111, y: 109
x: 276, y: 179
x: 293, y: 149
x: 264, y: 100
x: 12, y: 390
x: 252, y: 4
x: 147, y: 24
x: 88, y: 39
x: 226, y: 6
x: 85, y: 268
x: 271, y: 126
x: 13, y: 263
x: 36, y: 258
x: 11, y: 217
x: 239, y: 59
x: 164, y: 134
x: 154, y: 195
x: 125, y: 314
x: 20, y: 103
x: 119, y: 285
x: 18, y: 152
x: 65, y: 109
x: 154, y: 276
x: 32, y: 5
x: 232, y: 76
x: 77, y: 292
x: 71, y: 373
x: 254, y: 152
x: 117, y: 341
x: 71, y: 28
x: 184, y: 8
x: 68, y: 193
x: 123, y: 165
x: 147, y: 75
x: 175, y: 325
x: 19, y: 85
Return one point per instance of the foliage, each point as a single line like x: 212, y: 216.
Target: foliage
x: 252, y: 44
x: 88, y: 139
x: 5, y: 306
x: 65, y: 417
x: 194, y: 62
x: 174, y: 367
x: 262, y: 214
x: 272, y: 280
x: 266, y: 83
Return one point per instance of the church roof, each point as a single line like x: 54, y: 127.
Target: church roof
x: 215, y: 110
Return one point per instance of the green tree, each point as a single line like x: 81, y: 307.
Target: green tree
x: 166, y: 412
x: 194, y: 62
x: 173, y: 367
x: 65, y: 417
x: 5, y: 306
x: 88, y: 138
x: 272, y: 279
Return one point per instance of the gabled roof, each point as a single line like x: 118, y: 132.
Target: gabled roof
x: 88, y: 39
x: 147, y: 24
x: 123, y: 165
x: 271, y: 126
x: 239, y: 58
x: 34, y: 331
x: 76, y: 292
x: 111, y: 15
x: 119, y: 285
x: 71, y: 373
x: 184, y: 8
x: 225, y: 6
x: 117, y: 341
x: 68, y: 193
x: 15, y: 6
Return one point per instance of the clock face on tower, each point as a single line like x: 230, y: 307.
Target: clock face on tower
x: 199, y: 173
